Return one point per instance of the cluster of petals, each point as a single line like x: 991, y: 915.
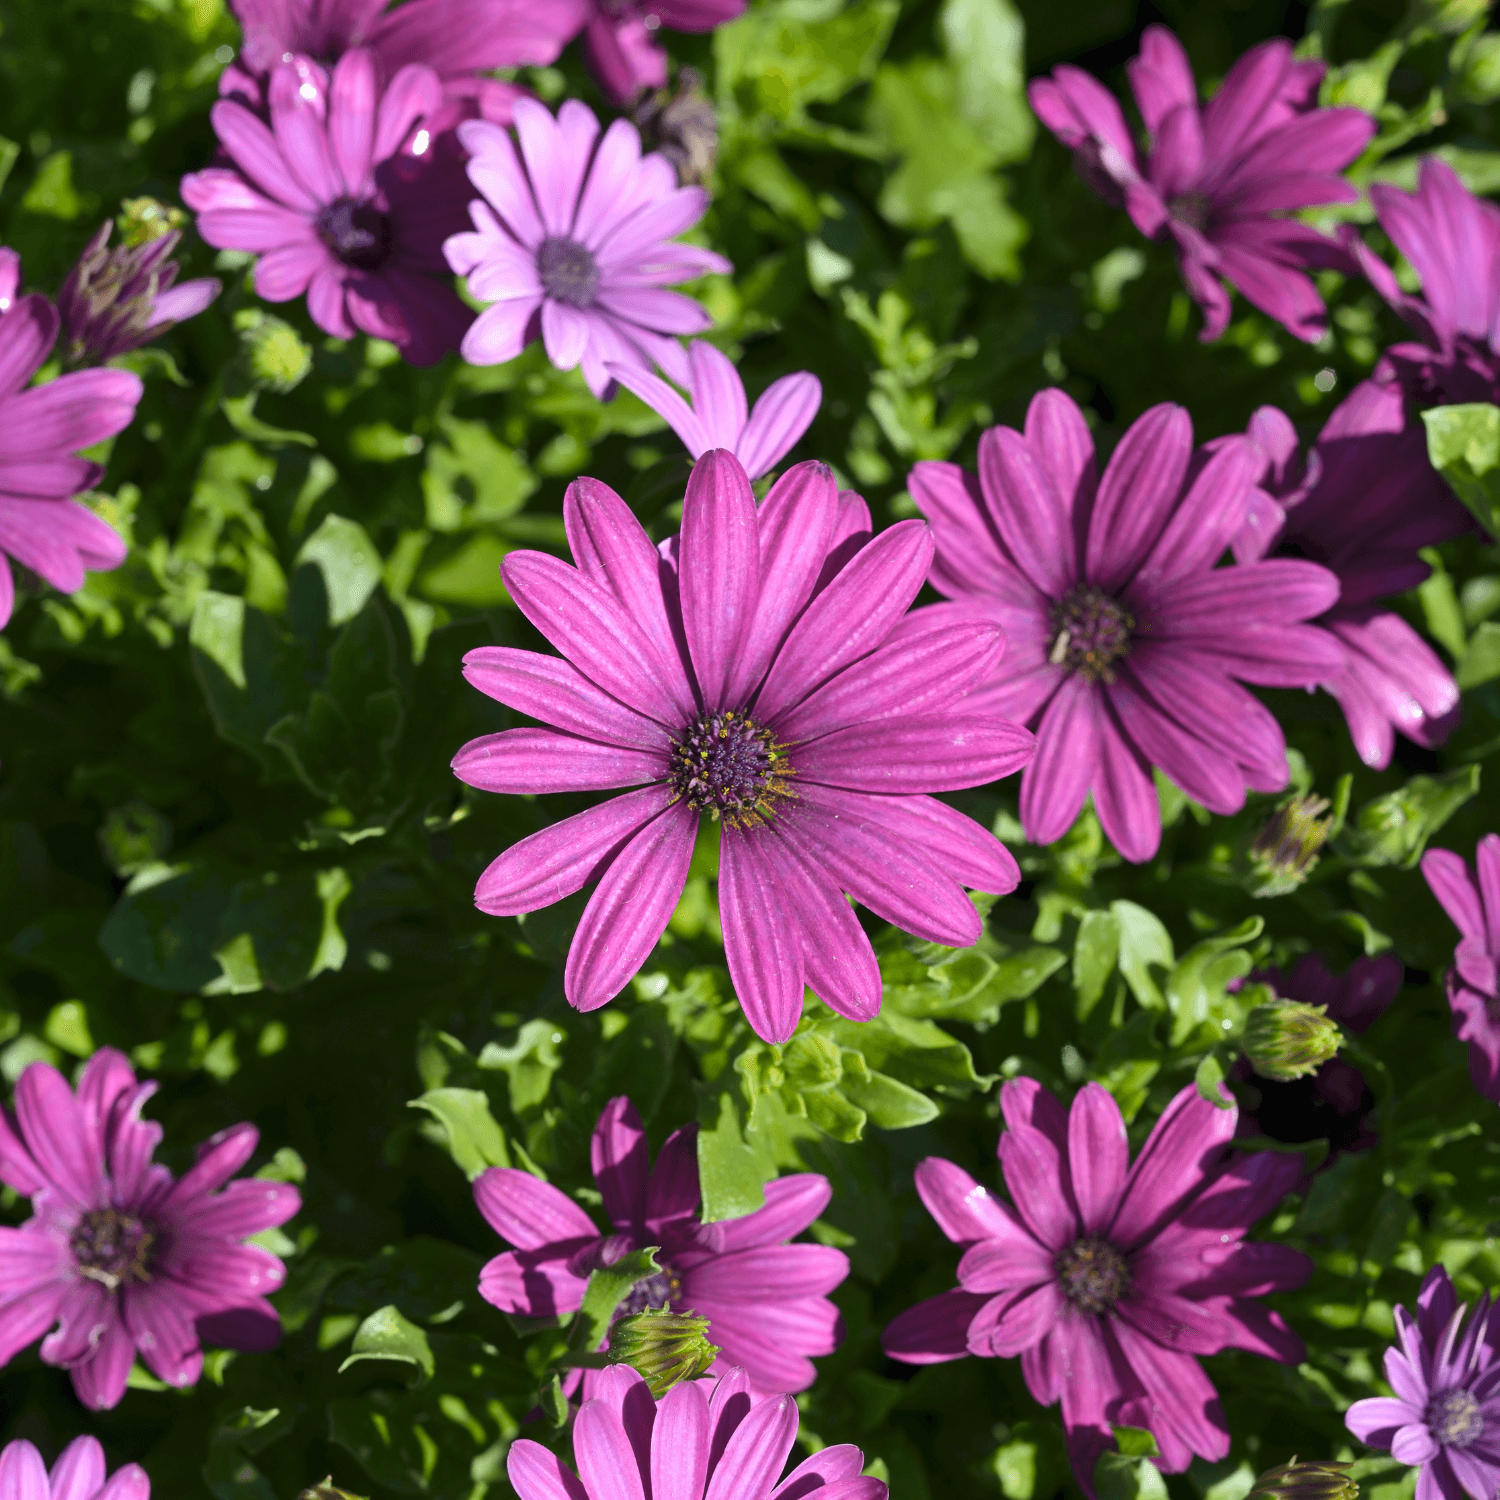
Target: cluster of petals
x: 346, y: 196
x: 620, y: 39
x: 573, y: 243
x: 1109, y: 1278
x: 1123, y: 640
x: 704, y: 1440
x: 759, y: 669
x: 41, y: 525
x: 1217, y: 177
x: 78, y: 1474
x: 766, y: 1300
x: 1444, y: 1418
x: 1472, y: 900
x: 119, y: 1255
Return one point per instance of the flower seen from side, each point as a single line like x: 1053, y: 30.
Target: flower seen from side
x: 78, y: 1474
x: 766, y: 1301
x: 1217, y: 177
x: 1109, y: 1278
x: 622, y: 39
x: 1316, y: 1479
x: 1125, y: 646
x: 119, y: 1258
x: 759, y: 671
x: 573, y: 243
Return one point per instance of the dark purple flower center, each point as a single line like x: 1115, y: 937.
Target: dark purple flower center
x: 727, y: 766
x: 1454, y: 1418
x: 112, y: 1247
x: 568, y: 271
x: 654, y: 1292
x: 1090, y: 632
x: 357, y: 233
x: 1093, y: 1275
x: 1191, y: 209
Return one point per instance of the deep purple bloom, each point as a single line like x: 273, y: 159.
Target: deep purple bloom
x: 41, y: 526
x: 1110, y: 1279
x: 1472, y: 986
x: 1216, y: 178
x: 716, y: 1438
x: 573, y: 244
x: 1122, y: 638
x: 346, y: 196
x: 766, y: 1300
x: 757, y: 670
x: 1445, y: 1416
x: 78, y: 1474
x: 118, y: 1254
x: 718, y: 416
x: 620, y: 39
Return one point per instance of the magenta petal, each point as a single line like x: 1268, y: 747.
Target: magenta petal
x: 1449, y: 877
x: 679, y: 1444
x: 1099, y: 1156
x: 524, y: 762
x: 1033, y: 519
x: 783, y: 413
x: 965, y: 1210
x: 760, y: 936
x: 23, y: 1476
x: 920, y: 753
x: 606, y: 1460
x: 78, y: 1473
x: 1036, y: 1172
x: 538, y: 1474
x: 528, y: 1213
x: 767, y: 1272
x: 1054, y: 785
x: 792, y: 1203
x: 620, y: 1163
x: 30, y: 331
x: 753, y: 1460
x: 828, y: 1466
x: 1137, y: 493
x: 933, y: 1331
x: 1161, y: 78
x: 1008, y: 1324
x: 1124, y: 791
x: 52, y: 1123
x: 533, y: 1284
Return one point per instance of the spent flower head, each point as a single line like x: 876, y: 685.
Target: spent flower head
x: 1285, y: 851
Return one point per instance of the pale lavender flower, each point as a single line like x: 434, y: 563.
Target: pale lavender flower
x: 78, y: 1474
x: 622, y: 39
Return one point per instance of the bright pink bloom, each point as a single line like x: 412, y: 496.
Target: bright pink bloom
x: 1110, y: 1279
x: 118, y: 1254
x: 573, y: 244
x: 41, y: 525
x: 756, y: 670
x: 1122, y: 638
x: 620, y: 39
x: 718, y: 416
x: 716, y: 1438
x: 1472, y: 984
x: 1216, y: 177
x: 766, y: 1301
x: 346, y: 196
x: 78, y: 1474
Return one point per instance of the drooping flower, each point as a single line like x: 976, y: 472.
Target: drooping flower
x: 41, y: 526
x: 1472, y: 986
x: 1445, y: 1414
x: 766, y: 1300
x: 704, y: 1437
x: 121, y: 1257
x: 78, y: 1474
x: 573, y: 244
x: 756, y: 671
x: 347, y: 197
x: 117, y: 300
x: 1216, y: 178
x: 718, y: 416
x: 621, y: 42
x: 1123, y: 641
x: 1108, y: 1279
x: 1362, y: 504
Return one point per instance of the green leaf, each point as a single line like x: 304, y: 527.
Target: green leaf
x: 986, y: 45
x: 387, y: 1334
x: 1144, y: 943
x: 341, y: 550
x: 475, y: 1140
x: 607, y: 1289
x: 1095, y: 953
x: 1197, y: 986
x: 1394, y: 829
x: 529, y: 1063
x: 1129, y: 1473
x: 229, y: 1472
x: 731, y: 1172
x: 1463, y: 443
x: 1480, y: 662
x: 1209, y: 1081
x: 240, y: 412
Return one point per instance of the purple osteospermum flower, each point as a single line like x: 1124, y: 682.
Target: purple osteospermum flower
x: 757, y: 671
x: 1445, y: 1416
x: 718, y: 417
x: 343, y: 201
x: 41, y: 526
x: 766, y: 1300
x: 1216, y: 177
x: 704, y: 1437
x: 573, y: 244
x: 1110, y: 1279
x: 1472, y: 985
x: 121, y: 1257
x: 1123, y: 640
x: 78, y: 1474
x: 620, y: 39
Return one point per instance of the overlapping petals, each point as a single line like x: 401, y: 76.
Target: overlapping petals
x: 78, y: 1474
x: 622, y: 43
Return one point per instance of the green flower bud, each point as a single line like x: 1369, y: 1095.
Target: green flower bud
x: 1286, y: 849
x: 275, y: 357
x: 1285, y: 1039
x: 1316, y: 1480
x: 664, y: 1346
x: 144, y: 219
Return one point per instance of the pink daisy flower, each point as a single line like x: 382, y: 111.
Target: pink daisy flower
x: 78, y: 1474
x: 621, y: 39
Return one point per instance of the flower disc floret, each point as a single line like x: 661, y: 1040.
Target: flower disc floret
x: 1455, y: 1418
x: 112, y: 1247
x: 1091, y: 632
x: 568, y: 271
x: 357, y: 233
x: 1093, y: 1275
x: 727, y: 766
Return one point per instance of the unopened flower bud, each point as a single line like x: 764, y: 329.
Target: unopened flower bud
x: 1285, y: 1039
x: 1322, y: 1479
x: 276, y: 359
x: 326, y: 1491
x: 682, y: 125
x: 1286, y: 849
x: 143, y: 219
x: 663, y: 1346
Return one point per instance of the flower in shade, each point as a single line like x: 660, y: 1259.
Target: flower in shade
x: 1445, y: 1416
x: 756, y: 671
x: 1472, y: 986
x: 1109, y: 1278
x: 1123, y: 641
x: 119, y: 1257
x: 718, y: 416
x: 1362, y: 504
x: 766, y: 1301
x: 345, y: 196
x: 573, y: 244
x: 78, y: 1474
x: 114, y: 301
x: 718, y: 1438
x: 41, y: 526
x: 1216, y: 178
x: 621, y: 42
